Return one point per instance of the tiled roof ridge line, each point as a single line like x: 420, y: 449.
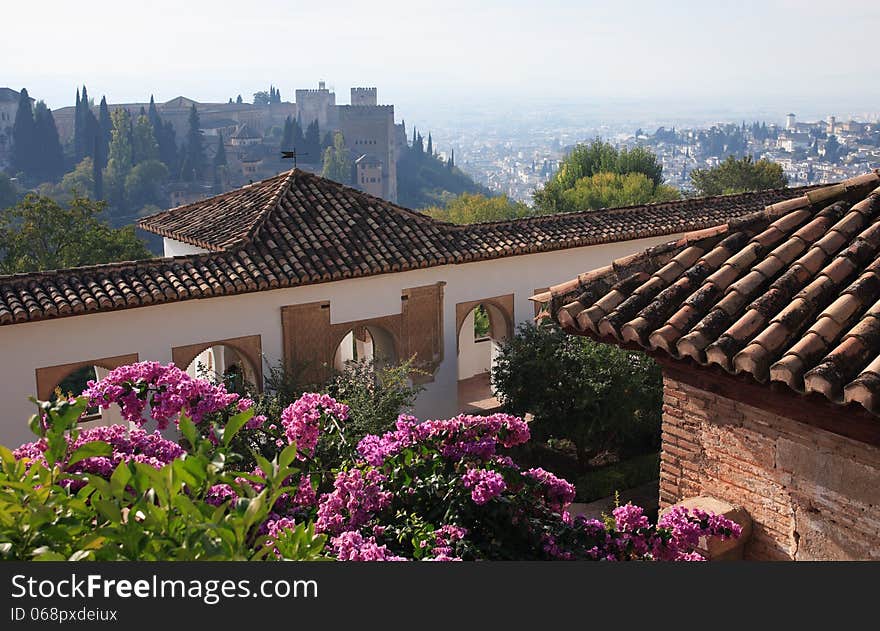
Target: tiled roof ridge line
x: 619, y: 210
x: 148, y: 223
x: 264, y: 214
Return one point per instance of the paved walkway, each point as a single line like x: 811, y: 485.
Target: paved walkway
x: 646, y: 496
x: 475, y: 395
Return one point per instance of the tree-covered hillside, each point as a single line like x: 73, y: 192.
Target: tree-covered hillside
x: 424, y: 179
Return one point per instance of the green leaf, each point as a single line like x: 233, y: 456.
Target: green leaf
x: 255, y: 509
x: 235, y: 424
x: 6, y: 455
x: 90, y: 450
x: 119, y: 479
x: 287, y: 455
x: 265, y: 466
x: 109, y: 510
x: 188, y: 429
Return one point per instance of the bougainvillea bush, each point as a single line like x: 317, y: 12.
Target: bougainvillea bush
x: 441, y: 490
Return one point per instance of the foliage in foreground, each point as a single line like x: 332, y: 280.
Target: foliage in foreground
x: 612, y: 398
x: 434, y: 490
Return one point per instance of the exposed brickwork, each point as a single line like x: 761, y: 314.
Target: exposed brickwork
x: 812, y: 494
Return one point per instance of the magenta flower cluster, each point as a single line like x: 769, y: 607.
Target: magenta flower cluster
x: 445, y: 538
x: 167, y: 389
x: 353, y: 546
x: 558, y: 493
x: 134, y: 445
x: 357, y: 495
x: 302, y: 420
x: 484, y: 484
x: 460, y: 437
x: 383, y: 506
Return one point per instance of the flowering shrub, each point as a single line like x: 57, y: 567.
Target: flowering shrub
x: 134, y: 445
x: 439, y: 490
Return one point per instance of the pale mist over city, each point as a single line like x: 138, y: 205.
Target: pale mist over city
x: 510, y: 86
x: 410, y: 280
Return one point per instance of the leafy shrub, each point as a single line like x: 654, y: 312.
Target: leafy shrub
x: 600, y: 397
x: 437, y: 490
x: 375, y: 394
x: 605, y: 481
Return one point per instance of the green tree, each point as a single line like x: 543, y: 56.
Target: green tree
x: 312, y: 142
x: 738, y: 176
x: 611, y: 190
x: 144, y: 145
x: 598, y: 396
x: 164, y: 134
x: 144, y: 184
x: 24, y: 156
x: 220, y: 153
x: 475, y: 208
x: 120, y: 159
x: 194, y: 152
x: 79, y: 182
x: 49, y: 163
x: 38, y: 233
x: 337, y: 161
x: 287, y: 135
x: 587, y: 160
x: 262, y: 98
x: 105, y: 125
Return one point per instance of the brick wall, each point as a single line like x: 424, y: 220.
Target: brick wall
x: 812, y: 494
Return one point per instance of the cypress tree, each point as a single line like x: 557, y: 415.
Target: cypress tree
x: 313, y: 142
x: 164, y: 135
x: 23, y: 135
x: 168, y: 147
x: 239, y: 100
x: 85, y: 146
x: 299, y: 138
x: 105, y: 130
x: 220, y: 154
x: 98, y: 170
x: 194, y: 153
x: 49, y: 156
x: 287, y: 135
x: 430, y: 145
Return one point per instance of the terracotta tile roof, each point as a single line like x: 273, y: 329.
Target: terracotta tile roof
x: 789, y: 294
x: 298, y: 228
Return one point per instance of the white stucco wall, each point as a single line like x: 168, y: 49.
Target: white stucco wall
x: 173, y: 247
x: 151, y: 332
x: 473, y: 357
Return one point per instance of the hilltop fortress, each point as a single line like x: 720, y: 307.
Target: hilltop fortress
x: 374, y: 139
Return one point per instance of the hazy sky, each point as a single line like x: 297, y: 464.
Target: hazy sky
x: 431, y: 54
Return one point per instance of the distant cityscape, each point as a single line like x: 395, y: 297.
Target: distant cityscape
x: 514, y: 162
x: 507, y: 152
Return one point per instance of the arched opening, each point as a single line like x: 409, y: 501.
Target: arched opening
x: 365, y: 343
x: 483, y: 331
x: 221, y: 363
x: 73, y: 384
